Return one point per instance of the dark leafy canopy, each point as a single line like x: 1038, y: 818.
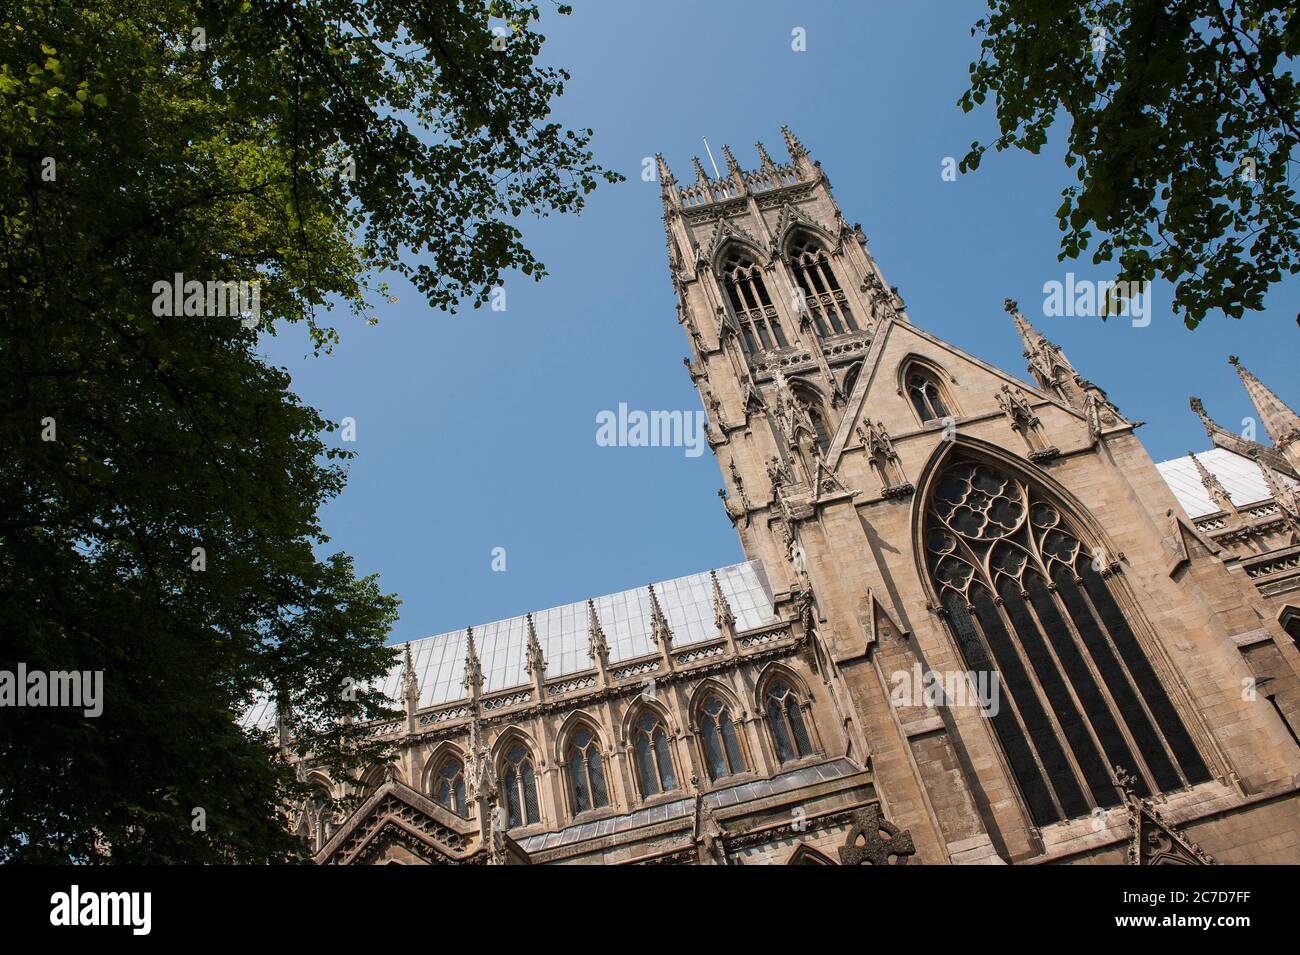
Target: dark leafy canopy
x: 1183, y: 123
x: 308, y: 146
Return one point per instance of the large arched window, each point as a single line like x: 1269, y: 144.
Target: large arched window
x: 785, y: 721
x: 586, y: 771
x: 722, y: 753
x: 1030, y: 604
x: 519, y: 786
x: 927, y: 394
x: 447, y: 784
x: 654, y: 761
x: 743, y: 280
x: 827, y: 305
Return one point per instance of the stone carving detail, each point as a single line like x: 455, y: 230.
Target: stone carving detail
x: 393, y: 818
x: 825, y: 480
x: 874, y: 840
x: 1155, y: 842
x: 879, y: 449
x: 779, y: 473
x: 885, y: 302
x: 1020, y: 413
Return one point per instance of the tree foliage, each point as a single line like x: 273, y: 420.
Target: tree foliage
x: 160, y: 485
x: 1182, y: 127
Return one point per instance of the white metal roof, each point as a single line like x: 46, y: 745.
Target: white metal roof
x: 1240, y: 477
x: 687, y: 602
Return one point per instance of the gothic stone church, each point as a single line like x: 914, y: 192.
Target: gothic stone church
x: 977, y: 624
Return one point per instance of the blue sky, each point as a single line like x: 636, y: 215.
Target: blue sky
x: 478, y: 431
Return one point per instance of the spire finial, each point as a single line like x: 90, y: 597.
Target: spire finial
x: 1213, y: 486
x: 700, y: 174
x: 1028, y: 334
x: 722, y: 614
x: 410, y: 683
x: 660, y: 632
x: 792, y: 144
x: 1199, y: 409
x: 473, y: 669
x: 1047, y: 363
x: 732, y: 165
x: 665, y: 174
x: 764, y: 157
x: 1278, y: 418
x: 536, y: 662
x: 597, y: 647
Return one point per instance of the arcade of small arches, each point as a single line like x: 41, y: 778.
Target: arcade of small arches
x: 724, y: 749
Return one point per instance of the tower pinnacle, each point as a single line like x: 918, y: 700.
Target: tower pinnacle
x: 792, y: 144
x: 666, y: 178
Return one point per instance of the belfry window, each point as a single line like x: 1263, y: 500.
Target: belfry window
x: 519, y: 785
x: 722, y: 753
x: 825, y: 300
x: 586, y: 771
x: 926, y: 394
x: 1027, y: 605
x: 743, y: 280
x: 785, y: 720
x: 448, y: 785
x: 654, y: 762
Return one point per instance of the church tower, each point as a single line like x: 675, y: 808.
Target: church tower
x: 1024, y: 635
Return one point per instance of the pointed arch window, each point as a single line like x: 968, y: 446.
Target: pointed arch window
x: 519, y: 786
x: 827, y: 305
x: 587, y: 786
x: 1077, y: 693
x: 722, y: 753
x: 927, y: 394
x: 785, y: 721
x: 743, y: 279
x: 448, y: 785
x: 654, y: 761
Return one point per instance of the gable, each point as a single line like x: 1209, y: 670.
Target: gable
x: 878, y: 394
x: 397, y: 823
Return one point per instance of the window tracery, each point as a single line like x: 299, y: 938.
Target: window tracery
x: 653, y: 758
x: 448, y: 785
x: 742, y: 277
x: 785, y: 721
x: 1025, y: 600
x: 828, y: 307
x: 586, y: 767
x: 722, y: 753
x: 519, y: 786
